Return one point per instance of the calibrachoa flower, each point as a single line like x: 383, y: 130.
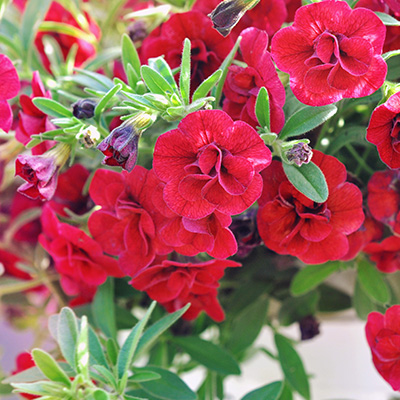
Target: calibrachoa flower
x: 384, y: 131
x: 124, y: 225
x: 385, y: 254
x: 243, y: 84
x: 174, y: 284
x: 290, y: 223
x: 331, y: 52
x: 383, y: 336
x: 9, y: 88
x: 208, y: 47
x: 210, y: 163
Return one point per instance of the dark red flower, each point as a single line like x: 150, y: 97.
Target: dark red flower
x: 85, y: 48
x: 76, y: 256
x: 9, y: 88
x: 9, y: 262
x: 331, y: 52
x: 210, y: 163
x: 124, y: 225
x: 384, y: 131
x: 23, y: 362
x: 385, y: 254
x: 208, y: 47
x: 174, y: 284
x: 383, y: 336
x: 290, y: 223
x: 32, y: 121
x: 243, y: 84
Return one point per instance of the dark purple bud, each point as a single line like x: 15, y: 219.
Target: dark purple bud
x: 84, y: 108
x: 309, y: 327
x: 137, y: 31
x: 300, y: 154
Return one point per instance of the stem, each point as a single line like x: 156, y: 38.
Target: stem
x: 365, y: 156
x: 359, y: 159
x: 111, y: 17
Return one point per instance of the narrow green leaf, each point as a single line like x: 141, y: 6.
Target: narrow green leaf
x: 67, y: 335
x: 162, y: 67
x: 309, y: 180
x: 207, y: 85
x: 82, y: 349
x: 112, y: 350
x: 184, y: 78
x: 42, y: 388
x: 168, y: 387
x: 107, y: 375
x: 208, y: 354
x: 306, y: 119
x: 332, y: 300
x: 268, y: 392
x: 362, y: 303
x: 32, y: 374
x: 292, y: 366
x: 144, y: 376
x: 372, y: 282
x: 132, y: 76
x: 157, y: 329
x: 262, y: 109
x: 387, y: 19
x: 295, y: 308
x: 130, y: 54
x: 105, y: 83
x: 49, y: 367
x: 65, y: 29
x: 311, y: 276
x: 102, y: 104
x: 52, y: 107
x: 154, y: 81
x: 390, y: 54
x: 127, y: 351
x: 104, y: 317
x: 349, y: 134
x: 287, y: 393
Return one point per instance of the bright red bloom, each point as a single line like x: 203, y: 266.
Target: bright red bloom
x: 331, y: 52
x: 209, y: 48
x: 23, y: 362
x: 9, y: 262
x: 243, y: 84
x: 290, y: 223
x: 385, y: 254
x: 210, y: 163
x: 32, y: 121
x: 383, y: 336
x: 174, y: 284
x: 292, y: 6
x: 75, y: 254
x: 384, y: 131
x: 57, y: 13
x: 9, y: 88
x: 124, y: 226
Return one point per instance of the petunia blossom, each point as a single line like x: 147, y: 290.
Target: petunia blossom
x: 210, y: 163
x: 331, y: 52
x: 385, y: 254
x: 291, y: 223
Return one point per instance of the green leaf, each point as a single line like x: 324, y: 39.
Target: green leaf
x: 207, y: 85
x: 100, y: 394
x: 130, y: 54
x: 208, y: 354
x: 311, y: 276
x: 292, y: 366
x: 144, y: 376
x: 5, y: 389
x: 154, y: 81
x: 268, y: 392
x: 309, y: 180
x: 96, y: 351
x: 104, y: 317
x: 362, y: 303
x: 168, y: 387
x: 102, y: 105
x: 32, y: 374
x: 127, y: 351
x: 349, y: 134
x: 67, y: 335
x: 262, y: 109
x: 294, y: 309
x: 105, y: 83
x: 112, y: 350
x: 107, y: 375
x: 157, y: 329
x: 162, y: 67
x: 184, y: 78
x: 49, y: 367
x: 82, y: 349
x: 332, y: 299
x: 390, y: 54
x: 52, y: 107
x: 306, y: 119
x: 372, y: 282
x: 253, y: 318
x: 287, y: 393
x: 42, y: 388
x: 387, y: 19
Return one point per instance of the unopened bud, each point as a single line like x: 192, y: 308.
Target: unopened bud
x: 299, y: 154
x: 84, y: 108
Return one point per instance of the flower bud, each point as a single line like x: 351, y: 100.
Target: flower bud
x: 299, y: 154
x: 84, y: 108
x: 309, y: 327
x: 228, y: 13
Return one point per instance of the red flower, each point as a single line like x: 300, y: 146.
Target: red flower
x: 383, y: 336
x: 290, y: 223
x: 124, y: 226
x: 385, y: 254
x: 32, y: 121
x: 9, y: 88
x: 57, y: 13
x: 75, y: 254
x: 331, y: 52
x: 23, y: 362
x: 208, y: 47
x: 210, y: 163
x: 243, y: 84
x: 174, y: 284
x: 384, y: 131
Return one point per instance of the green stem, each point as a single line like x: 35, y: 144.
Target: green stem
x: 359, y: 159
x: 365, y: 157
x: 111, y: 17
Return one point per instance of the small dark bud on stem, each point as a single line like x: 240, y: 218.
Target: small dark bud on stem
x: 300, y: 154
x: 84, y: 108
